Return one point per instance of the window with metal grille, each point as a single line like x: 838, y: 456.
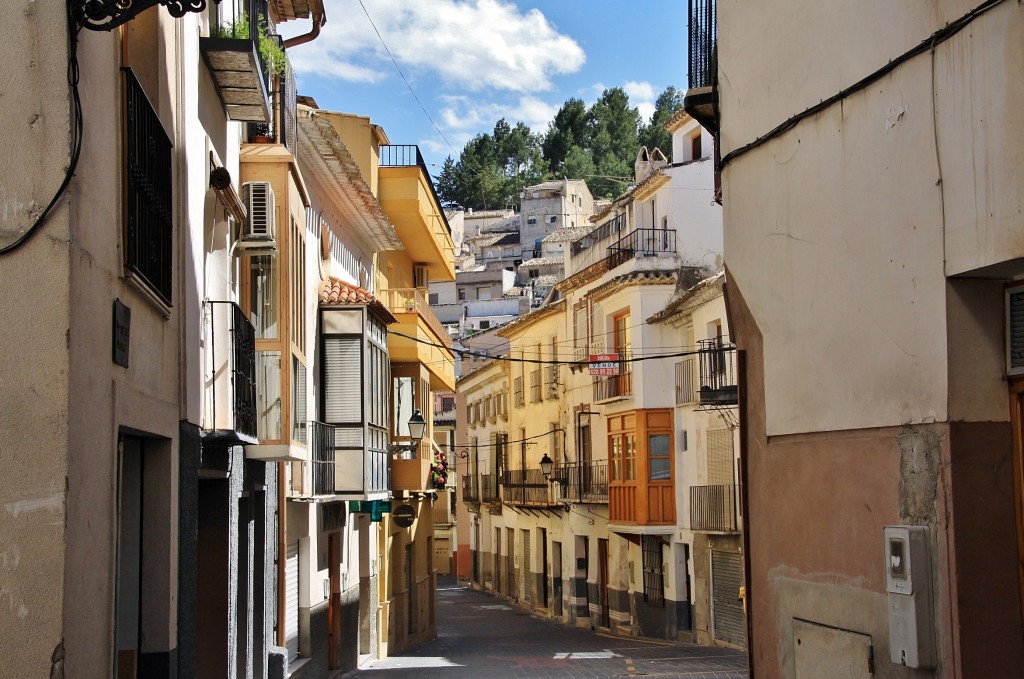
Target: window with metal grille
x: 654, y: 582
x: 148, y: 213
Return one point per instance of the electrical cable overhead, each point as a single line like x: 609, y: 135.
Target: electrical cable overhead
x: 537, y: 361
x: 76, y: 138
x: 404, y: 79
x: 939, y: 36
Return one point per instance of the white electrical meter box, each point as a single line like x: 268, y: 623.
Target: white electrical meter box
x: 908, y: 581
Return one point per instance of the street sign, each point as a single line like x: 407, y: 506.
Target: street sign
x: 403, y: 515
x: 604, y: 364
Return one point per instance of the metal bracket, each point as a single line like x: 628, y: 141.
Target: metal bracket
x: 105, y: 15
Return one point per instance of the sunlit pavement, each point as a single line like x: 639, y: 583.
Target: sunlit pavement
x: 484, y: 636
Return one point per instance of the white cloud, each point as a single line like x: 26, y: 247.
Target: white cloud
x: 470, y: 44
x: 468, y: 113
x: 638, y: 91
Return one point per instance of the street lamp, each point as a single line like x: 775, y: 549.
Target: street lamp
x: 417, y: 426
x: 546, y: 463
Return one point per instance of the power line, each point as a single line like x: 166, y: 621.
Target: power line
x: 405, y: 80
x: 537, y: 361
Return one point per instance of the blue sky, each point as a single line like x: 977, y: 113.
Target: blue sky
x: 471, y: 62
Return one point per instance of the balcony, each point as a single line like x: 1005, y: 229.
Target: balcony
x: 433, y: 345
x: 642, y: 243
x: 489, y: 489
x: 411, y: 203
x: 718, y: 386
x: 234, y: 59
x: 471, y: 489
x: 584, y: 481
x: 616, y: 386
x: 528, y: 488
x: 361, y: 474
x: 443, y: 517
x: 686, y: 381
x: 412, y: 473
x: 321, y: 457
x: 229, y: 372
x: 713, y: 508
x: 701, y: 100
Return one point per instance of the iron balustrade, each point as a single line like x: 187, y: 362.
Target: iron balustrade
x: 489, y: 491
x: 616, y: 386
x: 527, y: 487
x: 718, y: 386
x: 703, y: 52
x: 442, y: 512
x: 321, y: 457
x: 230, y: 368
x: 713, y: 508
x: 643, y: 242
x: 686, y: 390
x: 610, y: 228
x: 148, y: 198
x: 584, y: 481
x: 471, y: 488
x: 411, y: 300
x: 408, y: 155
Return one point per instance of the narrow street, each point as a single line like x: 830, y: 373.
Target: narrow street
x: 483, y: 636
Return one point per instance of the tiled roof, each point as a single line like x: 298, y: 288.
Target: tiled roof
x: 504, y: 239
x: 514, y: 291
x: 552, y: 185
x: 336, y: 292
x: 506, y: 226
x: 685, y: 300
x: 567, y: 234
x: 676, y: 121
x: 543, y: 261
x: 545, y: 281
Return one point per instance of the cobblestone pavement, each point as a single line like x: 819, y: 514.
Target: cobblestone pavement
x: 482, y: 636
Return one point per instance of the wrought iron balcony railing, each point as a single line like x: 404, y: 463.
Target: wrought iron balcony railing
x: 443, y: 516
x: 527, y: 487
x: 642, y: 243
x: 229, y: 370
x: 411, y: 300
x: 713, y: 508
x: 489, y: 490
x: 321, y: 457
x: 616, y: 386
x: 703, y: 53
x: 718, y: 386
x: 584, y: 481
x: 471, y: 488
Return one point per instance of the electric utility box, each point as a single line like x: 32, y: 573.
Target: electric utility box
x: 908, y: 581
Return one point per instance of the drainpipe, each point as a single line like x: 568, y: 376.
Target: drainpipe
x: 319, y: 19
x: 282, y: 551
x: 741, y: 368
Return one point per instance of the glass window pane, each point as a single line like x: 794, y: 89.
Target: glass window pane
x: 268, y: 395
x: 263, y: 295
x: 660, y: 469
x: 658, y: 445
x: 298, y: 400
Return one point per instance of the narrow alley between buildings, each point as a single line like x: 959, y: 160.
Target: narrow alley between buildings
x: 482, y: 636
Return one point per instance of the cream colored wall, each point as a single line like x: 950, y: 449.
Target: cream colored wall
x: 868, y: 242
x: 34, y: 423
x: 358, y: 135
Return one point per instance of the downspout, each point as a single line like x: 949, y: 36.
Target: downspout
x: 282, y: 551
x: 319, y: 19
x: 741, y: 365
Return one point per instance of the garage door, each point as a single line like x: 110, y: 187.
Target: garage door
x: 727, y: 619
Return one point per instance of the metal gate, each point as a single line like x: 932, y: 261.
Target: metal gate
x: 510, y: 574
x: 527, y: 589
x: 291, y: 605
x: 727, y: 620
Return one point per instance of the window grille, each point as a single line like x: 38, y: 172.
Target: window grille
x: 654, y: 582
x: 148, y: 212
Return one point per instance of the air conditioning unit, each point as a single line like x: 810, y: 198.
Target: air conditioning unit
x: 259, y: 229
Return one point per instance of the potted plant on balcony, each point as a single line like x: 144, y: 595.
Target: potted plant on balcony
x: 274, y: 58
x: 439, y: 471
x: 260, y: 133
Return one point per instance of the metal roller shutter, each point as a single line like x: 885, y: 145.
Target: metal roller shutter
x: 291, y: 605
x: 727, y: 620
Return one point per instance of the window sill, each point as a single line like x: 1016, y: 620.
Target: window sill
x: 143, y: 287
